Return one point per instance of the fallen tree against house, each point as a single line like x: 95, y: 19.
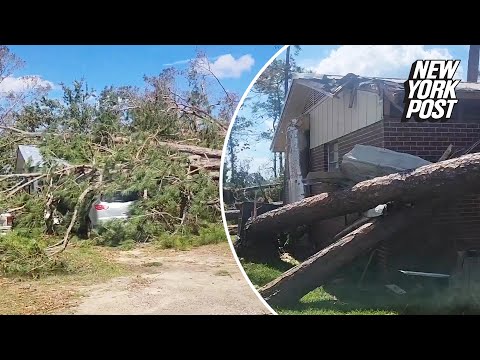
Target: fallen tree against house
x: 310, y: 274
x: 449, y: 176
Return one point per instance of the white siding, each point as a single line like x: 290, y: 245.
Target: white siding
x: 333, y: 118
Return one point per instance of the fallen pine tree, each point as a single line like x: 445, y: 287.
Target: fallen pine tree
x: 313, y: 272
x: 449, y: 176
x: 169, y: 158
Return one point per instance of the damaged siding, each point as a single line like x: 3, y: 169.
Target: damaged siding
x: 333, y: 118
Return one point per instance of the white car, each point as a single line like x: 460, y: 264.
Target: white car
x: 109, y: 207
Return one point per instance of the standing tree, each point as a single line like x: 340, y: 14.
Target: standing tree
x: 16, y: 92
x: 236, y: 143
x: 271, y: 88
x: 16, y: 95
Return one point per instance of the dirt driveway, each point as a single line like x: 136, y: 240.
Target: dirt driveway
x: 205, y: 280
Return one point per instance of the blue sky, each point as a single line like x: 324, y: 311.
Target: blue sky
x: 367, y: 60
x: 104, y: 65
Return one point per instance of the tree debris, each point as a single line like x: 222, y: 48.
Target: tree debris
x: 449, y: 176
x: 310, y: 274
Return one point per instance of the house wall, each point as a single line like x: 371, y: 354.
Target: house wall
x: 333, y: 118
x: 20, y: 164
x: 370, y: 135
x: 427, y: 140
x: 323, y: 232
x: 20, y: 169
x: 457, y: 223
x: 454, y: 226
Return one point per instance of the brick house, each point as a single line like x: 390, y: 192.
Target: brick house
x: 333, y: 113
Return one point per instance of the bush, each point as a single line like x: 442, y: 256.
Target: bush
x: 212, y: 234
x: 209, y: 234
x: 23, y: 254
x: 113, y: 233
x: 139, y: 229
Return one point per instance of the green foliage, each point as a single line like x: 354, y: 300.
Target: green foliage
x: 32, y: 215
x: 210, y: 234
x: 266, y: 101
x: 23, y: 254
x: 270, y: 87
x: 261, y: 274
x: 111, y: 141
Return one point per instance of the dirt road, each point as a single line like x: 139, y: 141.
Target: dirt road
x: 205, y: 280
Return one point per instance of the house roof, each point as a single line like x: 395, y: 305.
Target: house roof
x: 32, y: 155
x: 308, y: 89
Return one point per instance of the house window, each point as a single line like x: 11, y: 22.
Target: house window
x: 332, y: 156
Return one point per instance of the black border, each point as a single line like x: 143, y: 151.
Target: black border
x: 243, y: 336
x: 234, y: 23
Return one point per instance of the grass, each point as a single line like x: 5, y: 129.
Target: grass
x: 22, y: 256
x: 126, y: 235
x: 261, y: 274
x: 32, y: 283
x: 323, y: 302
x: 88, y: 263
x: 373, y: 298
x: 47, y: 292
x: 211, y: 234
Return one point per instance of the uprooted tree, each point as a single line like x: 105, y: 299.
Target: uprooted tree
x: 161, y: 142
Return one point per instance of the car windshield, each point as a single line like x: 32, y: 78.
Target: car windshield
x: 119, y: 197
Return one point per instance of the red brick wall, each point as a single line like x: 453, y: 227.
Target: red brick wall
x: 454, y: 227
x: 318, y: 159
x: 428, y: 140
x: 458, y: 224
x: 323, y: 232
x: 459, y: 221
x: 369, y: 135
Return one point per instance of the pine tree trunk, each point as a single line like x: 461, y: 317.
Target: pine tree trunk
x: 313, y: 272
x: 447, y: 177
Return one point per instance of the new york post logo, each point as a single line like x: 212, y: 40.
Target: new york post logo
x: 430, y: 90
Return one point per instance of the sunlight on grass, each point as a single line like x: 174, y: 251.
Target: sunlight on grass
x: 320, y: 302
x: 261, y: 274
x: 50, y: 291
